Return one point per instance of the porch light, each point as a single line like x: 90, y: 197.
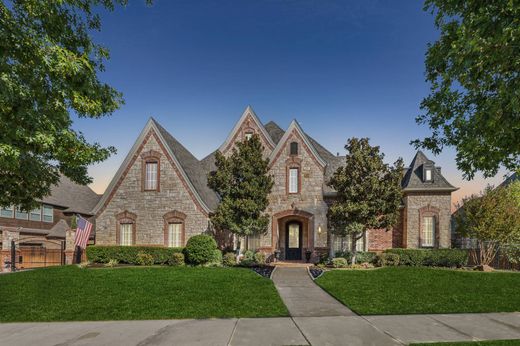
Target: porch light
x: 319, y: 229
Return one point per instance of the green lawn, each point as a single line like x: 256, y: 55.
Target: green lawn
x: 408, y: 290
x: 73, y: 294
x: 474, y: 343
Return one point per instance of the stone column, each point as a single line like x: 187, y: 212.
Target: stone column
x: 7, y: 237
x: 69, y: 246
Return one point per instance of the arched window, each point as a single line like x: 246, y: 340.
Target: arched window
x: 125, y: 228
x: 151, y: 170
x: 174, y: 234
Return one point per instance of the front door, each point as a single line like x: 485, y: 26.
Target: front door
x: 293, y: 241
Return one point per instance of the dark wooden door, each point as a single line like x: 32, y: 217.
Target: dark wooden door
x: 293, y: 241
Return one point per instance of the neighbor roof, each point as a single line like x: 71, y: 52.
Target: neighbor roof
x: 413, y: 180
x: 74, y: 197
x: 510, y: 179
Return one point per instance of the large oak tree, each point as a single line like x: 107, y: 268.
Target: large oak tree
x: 474, y: 73
x: 49, y: 68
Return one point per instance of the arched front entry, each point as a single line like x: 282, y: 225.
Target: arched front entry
x: 294, y: 234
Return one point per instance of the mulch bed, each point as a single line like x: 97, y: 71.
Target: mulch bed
x: 265, y: 271
x: 315, y: 272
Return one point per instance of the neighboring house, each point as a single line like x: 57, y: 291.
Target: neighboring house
x: 159, y: 196
x: 46, y: 225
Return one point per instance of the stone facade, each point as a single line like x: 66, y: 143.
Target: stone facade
x: 417, y: 205
x: 149, y: 207
x: 177, y: 196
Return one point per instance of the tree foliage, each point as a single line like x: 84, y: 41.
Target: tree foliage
x: 49, y: 69
x: 492, y: 219
x: 368, y: 192
x: 474, y: 75
x: 243, y: 184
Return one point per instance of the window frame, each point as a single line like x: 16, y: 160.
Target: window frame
x: 174, y: 217
x: 17, y: 211
x: 40, y: 214
x: 289, y: 181
x: 126, y: 227
x: 248, y: 135
x: 10, y: 208
x: 293, y: 149
x: 151, y: 163
x: 423, y: 231
x: 150, y: 157
x: 51, y: 215
x: 124, y: 218
x: 180, y: 236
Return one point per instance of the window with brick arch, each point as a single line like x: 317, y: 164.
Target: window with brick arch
x: 151, y: 181
x: 175, y: 234
x: 126, y: 234
x: 293, y: 148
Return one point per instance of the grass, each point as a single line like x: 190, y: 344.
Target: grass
x: 73, y: 294
x: 473, y: 343
x: 409, y: 290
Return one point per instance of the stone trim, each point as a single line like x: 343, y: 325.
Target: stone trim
x: 150, y: 156
x: 294, y: 133
x: 126, y: 217
x: 429, y: 211
x: 150, y: 133
x: 174, y: 216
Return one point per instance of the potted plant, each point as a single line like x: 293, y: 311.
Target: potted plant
x: 308, y: 254
x: 277, y: 255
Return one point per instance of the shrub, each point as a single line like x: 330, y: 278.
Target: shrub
x: 249, y: 255
x: 128, y: 254
x: 361, y: 256
x: 144, y: 259
x: 259, y: 258
x: 339, y: 262
x: 112, y: 263
x: 388, y: 259
x: 324, y: 258
x: 200, y: 249
x: 216, y: 259
x: 83, y: 265
x: 229, y: 259
x: 431, y: 257
x: 177, y: 259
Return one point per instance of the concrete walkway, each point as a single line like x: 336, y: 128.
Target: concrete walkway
x: 303, y: 297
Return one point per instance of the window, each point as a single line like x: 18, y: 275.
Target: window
x: 22, y: 215
x: 294, y: 148
x: 293, y: 180
x: 151, y: 176
x: 428, y: 231
x: 253, y: 242
x: 175, y: 234
x: 343, y: 244
x: 126, y: 234
x: 428, y: 174
x: 7, y: 212
x: 48, y: 213
x: 249, y: 135
x: 36, y: 214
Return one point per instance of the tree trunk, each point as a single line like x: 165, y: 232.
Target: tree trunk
x: 353, y: 241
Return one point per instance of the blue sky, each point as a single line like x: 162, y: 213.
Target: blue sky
x: 341, y: 68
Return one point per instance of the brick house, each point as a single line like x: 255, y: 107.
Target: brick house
x: 46, y: 226
x: 159, y: 196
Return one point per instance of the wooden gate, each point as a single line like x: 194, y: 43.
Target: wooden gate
x: 49, y: 253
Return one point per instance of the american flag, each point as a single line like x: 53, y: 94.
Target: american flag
x: 82, y: 232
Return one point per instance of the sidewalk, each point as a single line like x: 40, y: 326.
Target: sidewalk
x: 336, y: 330
x: 317, y: 319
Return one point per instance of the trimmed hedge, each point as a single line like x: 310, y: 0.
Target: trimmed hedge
x: 431, y: 257
x: 361, y: 256
x: 388, y: 260
x: 129, y: 254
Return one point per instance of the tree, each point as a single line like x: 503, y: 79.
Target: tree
x: 491, y: 219
x: 49, y: 69
x: 474, y: 75
x: 243, y: 184
x: 369, y: 193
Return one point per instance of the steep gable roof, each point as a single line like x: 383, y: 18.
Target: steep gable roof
x: 513, y: 177
x: 248, y: 112
x: 192, y: 167
x: 294, y: 126
x: 74, y: 197
x: 189, y: 167
x: 413, y: 179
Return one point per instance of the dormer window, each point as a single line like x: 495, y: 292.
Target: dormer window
x: 294, y: 148
x: 249, y: 135
x: 428, y: 174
